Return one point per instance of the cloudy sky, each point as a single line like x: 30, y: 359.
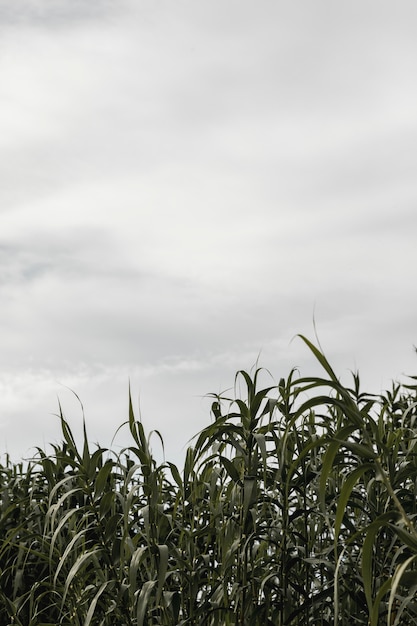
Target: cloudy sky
x: 185, y: 186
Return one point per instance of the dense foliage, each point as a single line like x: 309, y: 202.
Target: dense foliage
x: 296, y: 505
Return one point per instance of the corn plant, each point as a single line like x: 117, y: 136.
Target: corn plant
x: 296, y: 504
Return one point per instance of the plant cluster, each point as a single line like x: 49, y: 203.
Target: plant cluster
x: 295, y: 505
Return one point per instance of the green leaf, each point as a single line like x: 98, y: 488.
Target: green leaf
x: 320, y: 357
x: 143, y: 600
x: 175, y: 474
x: 101, y: 478
x: 328, y: 461
x: 162, y: 569
x: 231, y: 469
x: 405, y: 537
x: 396, y: 579
x: 345, y: 493
x: 367, y: 549
x: 106, y: 503
x: 76, y: 569
x: 359, y: 449
x: 92, y: 607
x: 375, y: 613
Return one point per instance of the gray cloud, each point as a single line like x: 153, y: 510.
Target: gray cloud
x: 185, y: 185
x: 44, y: 14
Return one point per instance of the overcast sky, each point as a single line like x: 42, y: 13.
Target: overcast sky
x: 184, y: 186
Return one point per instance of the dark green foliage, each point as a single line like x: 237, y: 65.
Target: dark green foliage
x: 296, y: 505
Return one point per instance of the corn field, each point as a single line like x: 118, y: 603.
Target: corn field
x: 295, y: 505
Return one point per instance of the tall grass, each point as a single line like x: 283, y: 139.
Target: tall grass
x: 295, y: 505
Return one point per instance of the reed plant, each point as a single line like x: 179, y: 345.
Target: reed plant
x: 295, y: 505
